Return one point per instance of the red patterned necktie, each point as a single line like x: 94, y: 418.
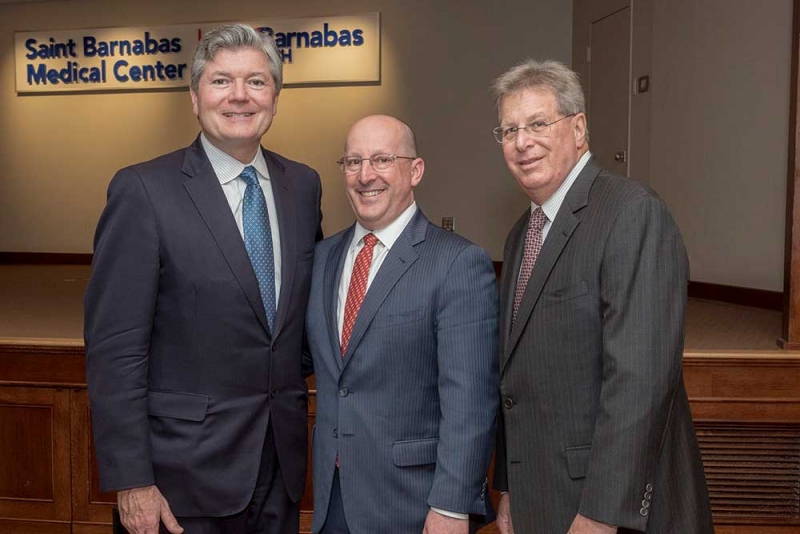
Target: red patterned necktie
x: 357, y: 288
x: 533, y: 245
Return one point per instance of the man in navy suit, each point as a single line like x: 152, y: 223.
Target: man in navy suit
x: 195, y: 313
x: 402, y: 327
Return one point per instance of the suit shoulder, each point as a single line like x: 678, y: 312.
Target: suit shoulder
x: 172, y: 160
x: 616, y: 189
x: 324, y: 245
x: 449, y: 243
x: 154, y: 172
x: 291, y: 166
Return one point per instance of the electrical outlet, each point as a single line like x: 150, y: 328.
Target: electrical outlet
x: 449, y: 223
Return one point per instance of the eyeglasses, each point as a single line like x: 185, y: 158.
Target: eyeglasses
x: 533, y: 129
x: 379, y: 162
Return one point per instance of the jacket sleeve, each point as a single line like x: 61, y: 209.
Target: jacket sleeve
x: 643, y: 282
x: 119, y: 309
x: 466, y: 333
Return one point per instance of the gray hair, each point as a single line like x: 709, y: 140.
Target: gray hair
x: 559, y: 79
x: 235, y: 37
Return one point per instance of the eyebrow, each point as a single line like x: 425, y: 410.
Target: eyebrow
x: 228, y: 74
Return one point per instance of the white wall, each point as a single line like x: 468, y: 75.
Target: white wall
x: 720, y: 126
x: 711, y: 136
x: 438, y: 58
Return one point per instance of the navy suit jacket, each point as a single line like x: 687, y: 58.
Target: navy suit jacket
x: 183, y: 372
x: 410, y: 409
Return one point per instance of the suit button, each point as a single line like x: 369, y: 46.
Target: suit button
x: 335, y: 433
x: 648, y: 487
x: 648, y: 495
x: 645, y: 504
x: 343, y: 392
x: 508, y: 403
x: 643, y: 512
x: 272, y: 393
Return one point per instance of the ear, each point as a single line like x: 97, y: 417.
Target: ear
x: 194, y: 101
x: 417, y: 170
x: 580, y: 130
x: 275, y: 104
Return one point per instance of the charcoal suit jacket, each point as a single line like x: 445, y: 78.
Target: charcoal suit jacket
x: 184, y: 373
x: 595, y: 415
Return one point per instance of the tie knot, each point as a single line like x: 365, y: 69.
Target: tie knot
x: 249, y: 175
x: 538, y: 218
x: 370, y: 240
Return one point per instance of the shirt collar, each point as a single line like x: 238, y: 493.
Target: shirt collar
x: 551, y: 206
x: 390, y: 233
x: 228, y: 168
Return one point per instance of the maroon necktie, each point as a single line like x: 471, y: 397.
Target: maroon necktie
x: 533, y: 245
x: 357, y: 288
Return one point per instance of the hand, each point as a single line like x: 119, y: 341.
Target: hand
x: 142, y: 509
x: 584, y: 525
x: 437, y: 523
x: 504, y: 515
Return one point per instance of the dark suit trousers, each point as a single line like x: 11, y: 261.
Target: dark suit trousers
x: 270, y: 510
x: 335, y: 522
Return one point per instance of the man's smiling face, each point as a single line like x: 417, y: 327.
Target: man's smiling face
x: 236, y: 101
x: 378, y: 198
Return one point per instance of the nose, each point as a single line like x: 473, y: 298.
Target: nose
x: 366, y: 173
x: 239, y: 91
x: 524, y: 140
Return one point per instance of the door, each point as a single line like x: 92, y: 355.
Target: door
x: 609, y: 91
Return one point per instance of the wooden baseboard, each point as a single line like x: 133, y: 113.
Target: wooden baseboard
x: 745, y: 296
x: 44, y: 258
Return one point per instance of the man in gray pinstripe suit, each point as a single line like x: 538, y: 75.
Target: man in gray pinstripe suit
x: 407, y: 377
x: 596, y: 433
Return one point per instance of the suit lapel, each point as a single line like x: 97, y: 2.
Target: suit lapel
x: 284, y: 202
x: 557, y: 237
x: 206, y: 193
x: 511, y: 265
x: 399, y: 259
x: 333, y: 276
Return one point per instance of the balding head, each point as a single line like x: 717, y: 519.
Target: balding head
x: 407, y: 142
x: 379, y: 196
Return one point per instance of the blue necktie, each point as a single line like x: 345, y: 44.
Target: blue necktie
x: 258, y: 240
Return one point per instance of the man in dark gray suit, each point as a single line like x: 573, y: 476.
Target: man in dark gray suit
x: 402, y: 326
x: 195, y: 313
x: 596, y: 433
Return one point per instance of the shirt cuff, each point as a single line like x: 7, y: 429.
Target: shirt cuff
x: 454, y: 515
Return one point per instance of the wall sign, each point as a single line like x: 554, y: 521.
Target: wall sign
x: 319, y: 50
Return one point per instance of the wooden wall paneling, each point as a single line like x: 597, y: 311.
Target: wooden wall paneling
x: 307, y: 501
x: 42, y: 362
x: 746, y: 411
x: 91, y: 508
x: 35, y: 449
x: 34, y: 527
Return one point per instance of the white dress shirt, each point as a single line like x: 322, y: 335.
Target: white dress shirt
x: 227, y: 168
x: 386, y: 238
x: 551, y: 206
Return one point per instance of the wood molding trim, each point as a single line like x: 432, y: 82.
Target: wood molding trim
x: 790, y: 338
x: 44, y: 258
x: 744, y: 296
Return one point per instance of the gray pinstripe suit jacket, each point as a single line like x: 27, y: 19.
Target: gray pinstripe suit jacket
x: 595, y: 415
x: 410, y: 409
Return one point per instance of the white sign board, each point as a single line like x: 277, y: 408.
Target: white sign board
x: 320, y: 50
